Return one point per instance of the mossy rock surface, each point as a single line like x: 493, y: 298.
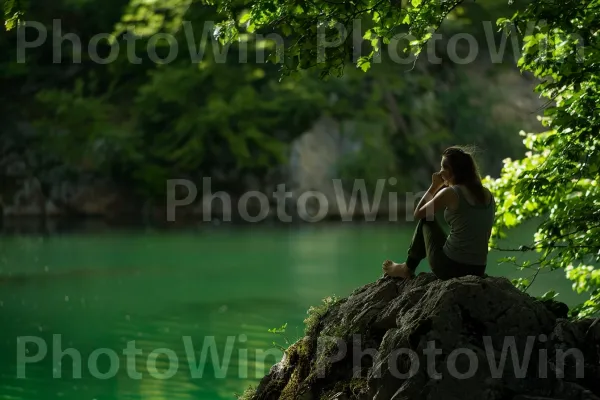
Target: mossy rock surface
x: 427, y: 339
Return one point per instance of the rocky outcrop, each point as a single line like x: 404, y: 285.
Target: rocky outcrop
x: 313, y: 164
x: 466, y: 338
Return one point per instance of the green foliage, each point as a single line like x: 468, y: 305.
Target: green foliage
x: 145, y: 122
x: 521, y: 283
x: 281, y: 332
x: 315, y: 313
x: 142, y: 123
x: 13, y: 12
x: 558, y: 178
x: 323, y: 31
x: 145, y: 18
x: 549, y: 295
x: 247, y: 395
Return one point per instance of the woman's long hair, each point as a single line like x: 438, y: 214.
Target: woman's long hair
x: 465, y: 170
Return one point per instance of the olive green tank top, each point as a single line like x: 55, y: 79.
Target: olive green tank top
x: 470, y: 225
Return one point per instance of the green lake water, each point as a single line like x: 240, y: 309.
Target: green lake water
x: 179, y: 294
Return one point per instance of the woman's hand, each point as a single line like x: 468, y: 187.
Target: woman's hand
x: 437, y: 181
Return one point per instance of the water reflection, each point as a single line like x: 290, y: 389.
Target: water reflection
x: 208, y: 355
x: 221, y: 291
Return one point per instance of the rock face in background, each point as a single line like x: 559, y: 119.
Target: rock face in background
x: 315, y: 154
x: 471, y: 323
x: 314, y: 164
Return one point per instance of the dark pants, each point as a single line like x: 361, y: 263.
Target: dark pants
x: 428, y: 242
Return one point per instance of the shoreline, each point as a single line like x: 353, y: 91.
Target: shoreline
x: 24, y: 224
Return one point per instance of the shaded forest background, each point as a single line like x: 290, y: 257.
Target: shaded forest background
x: 83, y: 138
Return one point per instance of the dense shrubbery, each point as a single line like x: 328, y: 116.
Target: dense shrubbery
x: 140, y: 124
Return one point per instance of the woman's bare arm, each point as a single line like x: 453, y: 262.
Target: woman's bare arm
x: 434, y: 200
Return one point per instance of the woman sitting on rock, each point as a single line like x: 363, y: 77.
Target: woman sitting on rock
x: 469, y: 210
